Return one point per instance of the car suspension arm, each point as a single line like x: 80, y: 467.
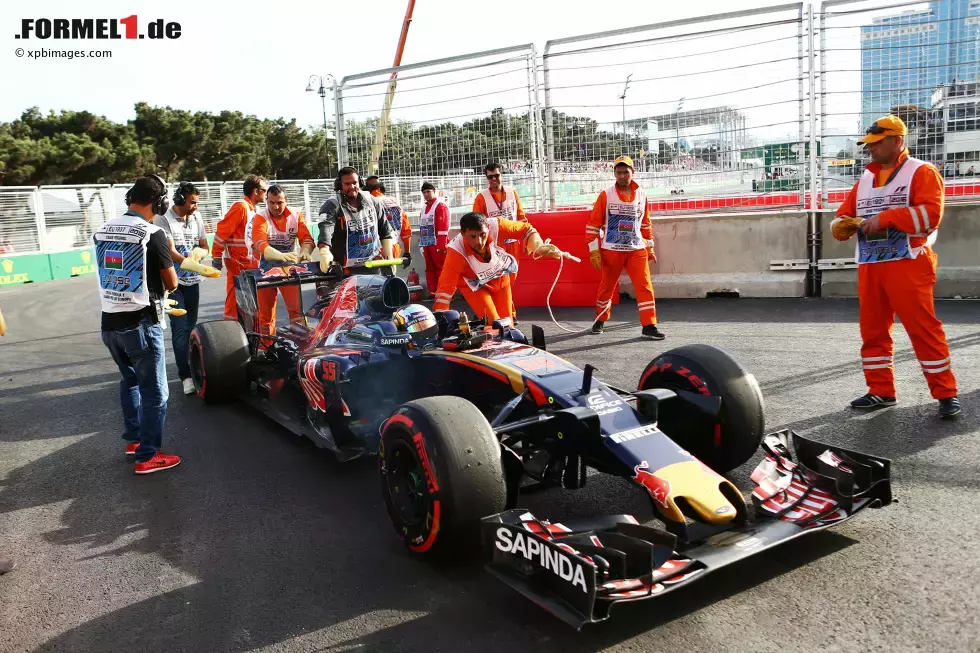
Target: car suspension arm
x: 508, y: 408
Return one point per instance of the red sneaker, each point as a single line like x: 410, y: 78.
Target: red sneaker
x: 157, y: 463
x: 131, y: 448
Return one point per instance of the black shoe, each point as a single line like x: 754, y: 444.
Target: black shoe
x: 651, y: 331
x: 598, y: 326
x: 869, y: 401
x: 949, y: 408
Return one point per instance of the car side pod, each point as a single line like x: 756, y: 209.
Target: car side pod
x: 578, y: 570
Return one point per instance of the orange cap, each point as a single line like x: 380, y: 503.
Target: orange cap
x: 884, y: 127
x: 624, y: 159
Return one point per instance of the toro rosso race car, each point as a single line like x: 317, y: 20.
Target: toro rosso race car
x: 465, y: 417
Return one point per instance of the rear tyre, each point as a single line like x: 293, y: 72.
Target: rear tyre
x: 722, y: 444
x: 441, y: 473
x: 218, y: 355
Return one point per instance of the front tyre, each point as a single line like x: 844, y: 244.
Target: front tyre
x: 722, y: 444
x: 441, y: 473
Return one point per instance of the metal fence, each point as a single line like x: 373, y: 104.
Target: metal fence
x: 756, y: 109
x: 47, y: 219
x: 748, y: 110
x: 686, y: 100
x: 920, y: 61
x: 445, y: 119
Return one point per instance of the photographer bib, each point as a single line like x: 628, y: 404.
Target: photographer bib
x: 120, y: 254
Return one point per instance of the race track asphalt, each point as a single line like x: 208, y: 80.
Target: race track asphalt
x: 259, y: 542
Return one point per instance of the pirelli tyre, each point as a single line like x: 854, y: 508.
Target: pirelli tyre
x: 723, y: 443
x: 441, y: 473
x: 218, y: 355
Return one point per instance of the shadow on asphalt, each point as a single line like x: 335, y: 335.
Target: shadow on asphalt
x: 274, y: 541
x: 259, y: 579
x: 323, y: 554
x: 627, y: 620
x: 794, y: 382
x: 877, y: 432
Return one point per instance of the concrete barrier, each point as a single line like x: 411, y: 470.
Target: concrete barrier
x: 701, y: 254
x: 958, y: 247
x: 696, y: 255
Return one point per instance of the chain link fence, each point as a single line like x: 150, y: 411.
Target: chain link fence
x: 919, y: 61
x: 691, y: 101
x: 443, y: 121
x: 741, y: 111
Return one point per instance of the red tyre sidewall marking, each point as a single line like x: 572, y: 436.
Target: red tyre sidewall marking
x: 432, y: 485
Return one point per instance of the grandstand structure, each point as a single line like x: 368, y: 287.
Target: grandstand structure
x: 715, y: 135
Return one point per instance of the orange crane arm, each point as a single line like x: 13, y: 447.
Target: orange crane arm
x: 390, y: 95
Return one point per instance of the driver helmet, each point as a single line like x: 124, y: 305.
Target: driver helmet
x: 419, y: 322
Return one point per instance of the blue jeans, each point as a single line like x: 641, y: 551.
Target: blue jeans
x: 188, y: 298
x: 143, y: 391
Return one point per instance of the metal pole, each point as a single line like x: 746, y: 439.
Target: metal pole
x: 823, y: 94
x: 39, y: 222
x: 322, y: 92
x: 623, y: 98
x: 538, y: 157
x: 338, y: 103
x: 799, y: 67
x: 813, y: 275
x: 549, y: 130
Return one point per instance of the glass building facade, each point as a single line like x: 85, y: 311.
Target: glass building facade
x: 905, y: 56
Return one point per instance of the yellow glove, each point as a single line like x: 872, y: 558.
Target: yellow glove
x: 191, y: 265
x: 845, y: 227
x: 547, y: 250
x: 199, y: 254
x: 326, y: 258
x: 3, y: 326
x: 596, y: 259
x: 270, y: 253
x: 170, y: 306
x: 306, y: 253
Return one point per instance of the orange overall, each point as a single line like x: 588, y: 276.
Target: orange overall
x: 503, y: 209
x: 285, y: 231
x: 623, y: 241
x: 230, y: 245
x: 490, y: 270
x: 903, y: 286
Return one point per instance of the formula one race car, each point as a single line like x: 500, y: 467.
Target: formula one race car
x: 466, y: 416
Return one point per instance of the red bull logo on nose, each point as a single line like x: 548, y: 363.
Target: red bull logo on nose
x: 658, y: 488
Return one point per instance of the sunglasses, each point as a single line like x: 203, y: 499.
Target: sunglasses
x: 493, y: 176
x: 875, y: 129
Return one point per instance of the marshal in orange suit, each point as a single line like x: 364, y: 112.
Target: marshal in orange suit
x: 232, y: 239
x: 895, y: 210
x: 620, y: 236
x: 479, y: 265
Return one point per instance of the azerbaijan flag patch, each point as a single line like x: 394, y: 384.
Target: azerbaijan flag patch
x: 113, y: 259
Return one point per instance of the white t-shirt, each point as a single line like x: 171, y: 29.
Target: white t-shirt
x: 185, y: 235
